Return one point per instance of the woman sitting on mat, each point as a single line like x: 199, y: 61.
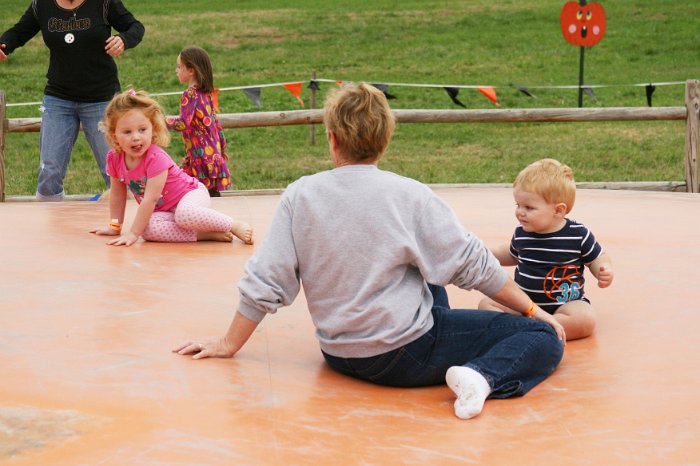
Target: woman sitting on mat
x: 365, y: 243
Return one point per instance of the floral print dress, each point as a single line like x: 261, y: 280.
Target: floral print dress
x: 204, y: 140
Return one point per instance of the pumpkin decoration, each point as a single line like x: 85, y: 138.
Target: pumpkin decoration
x: 583, y: 25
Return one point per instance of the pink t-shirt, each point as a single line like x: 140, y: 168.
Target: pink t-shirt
x: 154, y: 162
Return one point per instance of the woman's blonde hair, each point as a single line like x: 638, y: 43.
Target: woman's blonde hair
x: 135, y: 100
x: 361, y: 120
x: 551, y: 179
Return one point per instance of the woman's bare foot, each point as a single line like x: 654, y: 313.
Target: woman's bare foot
x: 223, y: 236
x: 243, y: 231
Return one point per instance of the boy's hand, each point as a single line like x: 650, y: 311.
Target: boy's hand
x: 605, y: 276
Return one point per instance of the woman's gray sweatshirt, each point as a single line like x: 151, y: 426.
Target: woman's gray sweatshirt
x: 364, y: 242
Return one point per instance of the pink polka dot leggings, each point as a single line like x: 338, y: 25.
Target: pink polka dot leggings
x: 191, y: 215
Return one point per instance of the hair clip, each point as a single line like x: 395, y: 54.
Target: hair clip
x: 131, y: 91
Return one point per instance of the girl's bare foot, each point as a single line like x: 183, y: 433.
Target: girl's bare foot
x: 243, y: 231
x: 223, y: 236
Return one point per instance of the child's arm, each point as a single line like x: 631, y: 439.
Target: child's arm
x: 504, y: 256
x: 117, y: 205
x: 188, y: 107
x: 154, y: 188
x: 602, y: 269
x: 117, y: 199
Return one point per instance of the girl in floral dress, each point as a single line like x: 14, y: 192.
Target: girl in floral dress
x: 202, y: 134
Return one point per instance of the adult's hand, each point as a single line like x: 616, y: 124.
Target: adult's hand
x: 239, y: 332
x: 512, y: 297
x: 3, y: 57
x: 554, y: 323
x: 205, y: 348
x: 115, y: 46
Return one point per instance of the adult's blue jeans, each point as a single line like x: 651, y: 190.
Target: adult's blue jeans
x: 513, y: 353
x: 60, y: 124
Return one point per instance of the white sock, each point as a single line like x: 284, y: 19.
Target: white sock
x: 471, y: 389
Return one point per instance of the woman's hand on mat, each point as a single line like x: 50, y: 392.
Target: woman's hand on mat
x: 127, y: 239
x: 209, y: 348
x: 549, y: 319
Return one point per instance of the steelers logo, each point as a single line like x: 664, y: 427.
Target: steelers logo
x: 69, y: 38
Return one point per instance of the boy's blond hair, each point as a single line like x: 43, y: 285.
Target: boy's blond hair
x: 551, y: 179
x: 133, y: 100
x: 361, y: 120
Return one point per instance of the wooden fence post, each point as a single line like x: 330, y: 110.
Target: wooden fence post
x: 692, y: 103
x: 312, y: 104
x: 3, y: 125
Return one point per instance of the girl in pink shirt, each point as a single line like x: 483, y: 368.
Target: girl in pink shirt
x: 173, y: 206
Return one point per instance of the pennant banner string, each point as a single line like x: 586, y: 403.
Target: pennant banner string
x: 460, y: 86
x: 670, y: 83
x: 443, y: 86
x: 477, y: 86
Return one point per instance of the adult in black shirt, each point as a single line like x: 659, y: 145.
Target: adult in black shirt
x: 82, y: 76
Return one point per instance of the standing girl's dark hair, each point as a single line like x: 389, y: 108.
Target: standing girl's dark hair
x: 197, y: 59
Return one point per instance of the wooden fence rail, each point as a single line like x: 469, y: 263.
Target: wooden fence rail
x: 690, y: 113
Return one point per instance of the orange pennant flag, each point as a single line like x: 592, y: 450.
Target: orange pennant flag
x: 295, y: 88
x: 490, y: 94
x: 215, y: 99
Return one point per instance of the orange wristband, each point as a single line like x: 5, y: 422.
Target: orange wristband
x: 530, y: 310
x: 115, y: 225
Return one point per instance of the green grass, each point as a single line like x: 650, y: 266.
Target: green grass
x: 443, y: 42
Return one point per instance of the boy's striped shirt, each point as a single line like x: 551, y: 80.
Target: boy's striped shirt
x: 550, y: 266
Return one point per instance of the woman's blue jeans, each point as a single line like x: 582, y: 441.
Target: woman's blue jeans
x: 513, y: 353
x: 60, y: 124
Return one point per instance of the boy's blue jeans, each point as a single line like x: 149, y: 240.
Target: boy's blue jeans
x: 60, y: 124
x: 513, y: 353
